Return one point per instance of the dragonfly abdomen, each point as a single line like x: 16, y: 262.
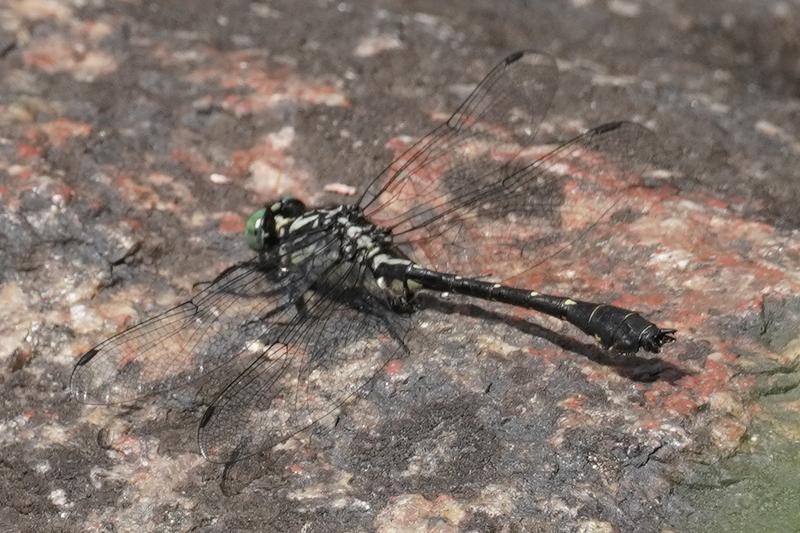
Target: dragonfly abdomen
x: 613, y: 327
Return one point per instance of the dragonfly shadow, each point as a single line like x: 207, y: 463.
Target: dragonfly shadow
x: 629, y: 366
x: 273, y: 469
x: 269, y: 471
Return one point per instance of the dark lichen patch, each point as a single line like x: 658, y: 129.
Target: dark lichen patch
x: 436, y: 448
x: 778, y: 323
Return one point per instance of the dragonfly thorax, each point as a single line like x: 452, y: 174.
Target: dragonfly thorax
x: 288, y: 223
x: 357, y: 240
x: 360, y: 239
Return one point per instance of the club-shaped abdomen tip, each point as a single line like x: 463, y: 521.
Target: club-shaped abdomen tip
x: 657, y: 338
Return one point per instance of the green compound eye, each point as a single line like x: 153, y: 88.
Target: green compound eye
x: 254, y: 230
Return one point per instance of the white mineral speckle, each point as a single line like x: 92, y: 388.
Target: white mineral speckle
x: 13, y: 326
x: 83, y: 319
x: 282, y: 139
x: 375, y: 44
x: 219, y: 178
x: 264, y: 177
x: 624, y: 9
x: 264, y: 11
x: 340, y: 188
x: 59, y: 498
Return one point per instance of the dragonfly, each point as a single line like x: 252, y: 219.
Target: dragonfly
x: 471, y: 208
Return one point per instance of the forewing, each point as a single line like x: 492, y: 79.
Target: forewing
x: 244, y: 306
x: 341, y: 339
x: 496, y: 120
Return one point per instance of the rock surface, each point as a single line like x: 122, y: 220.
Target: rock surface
x: 135, y: 137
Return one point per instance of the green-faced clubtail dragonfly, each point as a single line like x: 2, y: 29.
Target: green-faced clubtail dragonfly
x: 292, y: 333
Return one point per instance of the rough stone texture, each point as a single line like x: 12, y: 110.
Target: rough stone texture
x: 136, y: 136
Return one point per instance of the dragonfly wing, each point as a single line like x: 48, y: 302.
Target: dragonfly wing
x: 538, y: 207
x: 475, y: 196
x: 343, y: 336
x: 243, y: 306
x: 496, y: 120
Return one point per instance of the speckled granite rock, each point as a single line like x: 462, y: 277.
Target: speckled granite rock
x: 135, y: 136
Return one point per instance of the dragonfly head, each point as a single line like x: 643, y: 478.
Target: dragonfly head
x: 263, y: 227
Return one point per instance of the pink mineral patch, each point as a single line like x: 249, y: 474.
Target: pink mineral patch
x: 60, y: 131
x: 231, y: 223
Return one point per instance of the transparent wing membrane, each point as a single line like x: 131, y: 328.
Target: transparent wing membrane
x: 242, y: 307
x: 496, y: 120
x: 552, y: 200
x: 344, y: 335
